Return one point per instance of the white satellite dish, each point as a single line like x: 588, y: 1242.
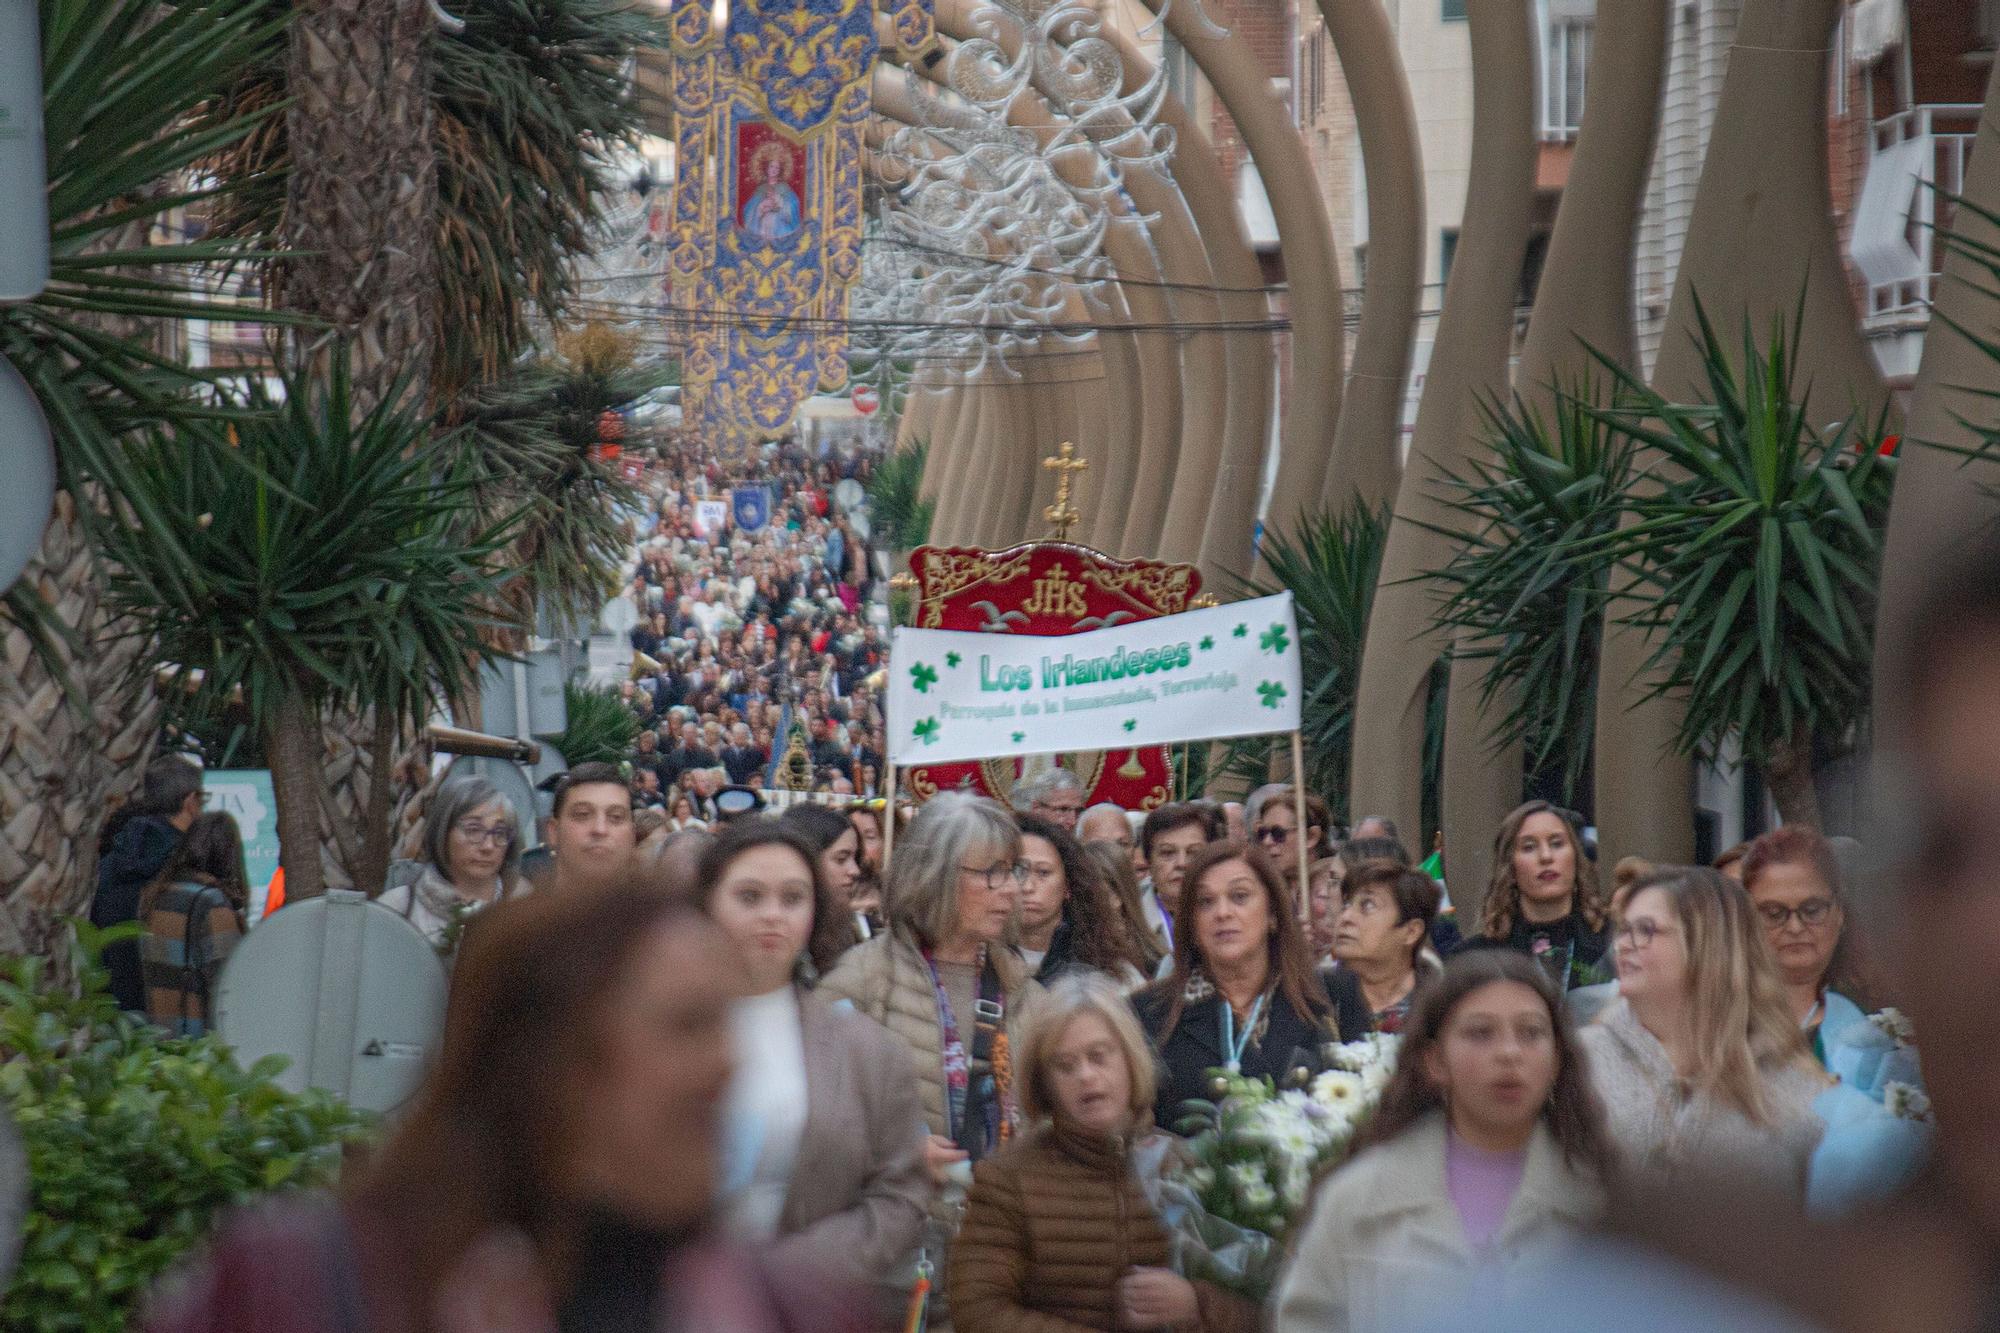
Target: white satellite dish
x: 349, y: 990
x: 28, y: 462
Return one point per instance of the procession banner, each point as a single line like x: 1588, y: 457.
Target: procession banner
x: 710, y: 516
x: 1226, y: 671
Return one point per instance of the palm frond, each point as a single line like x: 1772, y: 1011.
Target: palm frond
x: 896, y: 507
x: 1527, y: 583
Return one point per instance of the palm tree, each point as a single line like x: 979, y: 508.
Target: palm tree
x: 1331, y: 562
x: 1755, y: 561
x: 1526, y: 586
x: 319, y: 562
x: 901, y: 517
x: 130, y: 93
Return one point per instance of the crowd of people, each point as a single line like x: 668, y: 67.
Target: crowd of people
x: 749, y: 1071
x: 746, y: 619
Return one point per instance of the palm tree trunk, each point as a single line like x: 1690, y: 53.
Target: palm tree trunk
x: 1789, y: 775
x: 1468, y: 364
x: 293, y: 749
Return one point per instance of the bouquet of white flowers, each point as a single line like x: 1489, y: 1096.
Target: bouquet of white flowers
x: 1240, y: 1183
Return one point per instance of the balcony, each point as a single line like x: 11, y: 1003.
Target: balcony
x: 1918, y: 160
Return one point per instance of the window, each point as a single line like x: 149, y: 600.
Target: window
x: 1564, y: 64
x: 1447, y: 251
x: 1454, y: 11
x: 1180, y: 71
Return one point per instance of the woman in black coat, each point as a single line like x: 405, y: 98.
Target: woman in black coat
x: 1243, y: 996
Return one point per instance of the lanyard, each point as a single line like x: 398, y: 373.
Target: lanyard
x: 1231, y: 1046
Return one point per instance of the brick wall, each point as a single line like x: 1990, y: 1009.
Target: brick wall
x: 1266, y: 26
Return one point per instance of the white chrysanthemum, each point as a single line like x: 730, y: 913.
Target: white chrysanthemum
x: 1895, y: 1023
x: 1341, y: 1091
x: 1906, y: 1102
x: 1252, y: 1186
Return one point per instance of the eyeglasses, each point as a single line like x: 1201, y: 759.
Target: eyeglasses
x: 1274, y: 834
x: 1641, y: 932
x: 1812, y: 913
x: 997, y: 875
x: 498, y: 834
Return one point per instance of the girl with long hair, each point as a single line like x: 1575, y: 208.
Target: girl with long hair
x: 1113, y: 863
x: 1243, y: 995
x: 1544, y: 900
x: 1700, y: 1062
x: 193, y: 915
x: 1067, y: 920
x: 1488, y: 1148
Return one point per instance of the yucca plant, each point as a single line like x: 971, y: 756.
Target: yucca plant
x: 315, y: 561
x: 901, y: 517
x: 1756, y: 559
x: 1986, y: 255
x: 1330, y: 562
x: 601, y: 729
x: 130, y: 104
x: 1527, y: 584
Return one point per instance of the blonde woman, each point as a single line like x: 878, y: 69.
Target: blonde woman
x: 1700, y: 1063
x: 1544, y: 900
x: 1058, y: 1233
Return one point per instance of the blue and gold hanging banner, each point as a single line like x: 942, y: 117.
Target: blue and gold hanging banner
x: 765, y: 243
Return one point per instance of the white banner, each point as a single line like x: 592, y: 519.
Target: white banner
x: 1228, y: 671
x: 710, y: 516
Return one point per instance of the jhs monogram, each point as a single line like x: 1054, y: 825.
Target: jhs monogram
x: 1056, y: 595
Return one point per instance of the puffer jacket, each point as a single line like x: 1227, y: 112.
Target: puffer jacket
x: 885, y: 978
x: 1054, y: 1221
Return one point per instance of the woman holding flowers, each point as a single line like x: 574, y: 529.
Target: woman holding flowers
x: 1700, y: 1063
x: 1488, y: 1148
x: 1243, y: 996
x: 1059, y: 1235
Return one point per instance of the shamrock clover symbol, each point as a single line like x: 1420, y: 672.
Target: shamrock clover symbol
x: 1269, y: 692
x: 952, y: 660
x: 1020, y: 736
x: 922, y: 676
x: 1241, y: 630
x: 1274, y: 640
x: 1131, y: 722
x: 1207, y: 642
x: 926, y: 731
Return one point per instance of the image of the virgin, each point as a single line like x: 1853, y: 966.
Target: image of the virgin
x: 771, y: 212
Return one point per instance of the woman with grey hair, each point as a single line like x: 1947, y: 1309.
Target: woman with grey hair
x: 943, y: 978
x: 471, y: 860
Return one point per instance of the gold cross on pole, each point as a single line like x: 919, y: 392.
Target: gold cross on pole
x: 1065, y: 464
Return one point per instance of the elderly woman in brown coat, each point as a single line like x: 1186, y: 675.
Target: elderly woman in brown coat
x: 1058, y: 1234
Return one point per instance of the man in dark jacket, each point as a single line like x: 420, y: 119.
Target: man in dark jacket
x: 137, y: 850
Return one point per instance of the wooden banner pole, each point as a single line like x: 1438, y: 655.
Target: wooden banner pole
x: 889, y: 818
x: 1299, y: 832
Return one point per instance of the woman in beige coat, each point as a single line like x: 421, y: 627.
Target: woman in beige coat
x: 1700, y: 1064
x: 822, y: 1144
x: 1488, y: 1150
x: 942, y: 977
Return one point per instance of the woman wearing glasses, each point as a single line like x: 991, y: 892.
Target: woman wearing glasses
x: 1243, y: 996
x: 942, y: 978
x: 1272, y: 817
x: 1699, y: 1063
x: 471, y: 860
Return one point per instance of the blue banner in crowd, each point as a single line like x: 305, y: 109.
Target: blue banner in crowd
x: 753, y: 507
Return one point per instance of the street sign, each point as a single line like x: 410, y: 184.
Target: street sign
x: 866, y: 399
x: 24, y: 182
